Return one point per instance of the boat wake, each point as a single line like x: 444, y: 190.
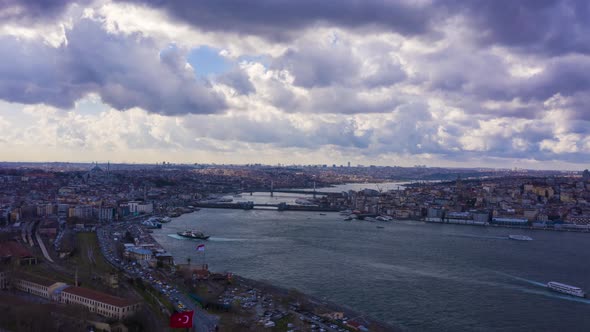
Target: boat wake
x: 436, y: 274
x: 548, y: 293
x: 545, y: 292
x: 178, y: 237
x: 224, y: 239
x: 480, y: 236
x: 532, y: 282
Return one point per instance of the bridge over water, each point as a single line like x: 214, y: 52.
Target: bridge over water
x: 293, y: 191
x: 280, y: 206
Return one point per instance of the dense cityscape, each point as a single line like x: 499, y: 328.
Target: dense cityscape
x: 294, y: 166
x: 79, y: 235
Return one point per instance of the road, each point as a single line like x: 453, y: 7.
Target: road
x: 29, y: 231
x: 202, y: 321
x: 42, y: 246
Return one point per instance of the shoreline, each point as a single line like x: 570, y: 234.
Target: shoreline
x: 531, y: 228
x: 318, y: 304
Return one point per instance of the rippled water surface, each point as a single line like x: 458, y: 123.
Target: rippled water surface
x: 412, y: 275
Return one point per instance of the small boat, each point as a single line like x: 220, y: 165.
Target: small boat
x: 303, y: 201
x: 566, y: 289
x: 193, y: 235
x: 380, y: 227
x: 151, y: 224
x: 322, y: 214
x: 520, y: 237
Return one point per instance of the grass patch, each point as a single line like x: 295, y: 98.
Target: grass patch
x: 151, y: 296
x: 88, y: 257
x: 281, y: 324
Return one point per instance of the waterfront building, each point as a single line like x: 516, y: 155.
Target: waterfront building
x: 100, y: 303
x: 481, y: 216
x: 138, y: 254
x: 435, y: 214
x: 140, y: 207
x: 510, y: 221
x: 583, y: 219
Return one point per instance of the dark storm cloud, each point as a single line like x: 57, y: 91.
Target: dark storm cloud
x: 566, y: 76
x: 20, y: 10
x: 280, y: 19
x: 551, y: 27
x: 540, y: 26
x: 125, y: 71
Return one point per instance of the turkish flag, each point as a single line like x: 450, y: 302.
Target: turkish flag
x: 182, y: 319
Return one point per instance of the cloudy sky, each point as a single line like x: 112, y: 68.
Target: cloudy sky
x: 500, y: 83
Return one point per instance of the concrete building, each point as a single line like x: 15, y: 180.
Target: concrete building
x: 139, y: 254
x: 106, y: 214
x: 140, y: 207
x: 35, y: 285
x: 100, y: 303
x: 510, y: 221
x: 81, y: 211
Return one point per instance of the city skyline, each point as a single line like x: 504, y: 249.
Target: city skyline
x: 437, y: 83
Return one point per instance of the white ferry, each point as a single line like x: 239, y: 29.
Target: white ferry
x: 566, y: 289
x: 520, y: 237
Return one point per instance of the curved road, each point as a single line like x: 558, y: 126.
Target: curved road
x: 42, y: 246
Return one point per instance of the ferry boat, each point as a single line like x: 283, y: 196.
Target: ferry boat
x: 566, y: 289
x: 303, y: 201
x: 165, y: 220
x: 384, y: 218
x: 193, y: 235
x: 151, y: 224
x: 520, y: 237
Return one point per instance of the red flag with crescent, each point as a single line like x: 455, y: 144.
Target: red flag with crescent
x: 182, y: 319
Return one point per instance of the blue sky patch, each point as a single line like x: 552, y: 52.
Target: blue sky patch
x: 207, y: 61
